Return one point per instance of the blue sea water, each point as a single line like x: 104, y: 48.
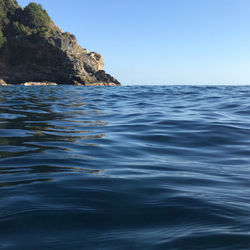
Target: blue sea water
x: 132, y: 167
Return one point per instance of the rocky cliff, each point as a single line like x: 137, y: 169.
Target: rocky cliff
x: 34, y: 49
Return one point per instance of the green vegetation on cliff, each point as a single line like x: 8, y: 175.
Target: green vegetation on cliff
x: 5, y: 6
x: 36, y: 17
x: 35, y: 20
x: 2, y: 39
x: 7, y: 11
x: 16, y: 21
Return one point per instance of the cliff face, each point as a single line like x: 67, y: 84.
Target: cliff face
x: 34, y: 49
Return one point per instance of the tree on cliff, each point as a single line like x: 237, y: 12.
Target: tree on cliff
x: 36, y: 18
x: 16, y: 21
x: 7, y: 8
x: 33, y: 20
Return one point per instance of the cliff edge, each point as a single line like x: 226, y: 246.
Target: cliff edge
x: 34, y: 49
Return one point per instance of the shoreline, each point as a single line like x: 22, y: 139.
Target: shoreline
x: 3, y: 83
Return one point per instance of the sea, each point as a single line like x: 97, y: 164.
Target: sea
x: 130, y: 167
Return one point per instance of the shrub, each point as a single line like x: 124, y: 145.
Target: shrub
x: 21, y: 29
x: 2, y: 39
x: 37, y: 18
x: 32, y: 20
x: 7, y: 9
x: 3, y: 16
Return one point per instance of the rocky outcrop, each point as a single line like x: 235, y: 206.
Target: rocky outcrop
x: 3, y: 83
x: 54, y: 57
x: 39, y: 84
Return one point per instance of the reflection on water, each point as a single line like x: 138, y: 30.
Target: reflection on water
x: 124, y: 168
x: 16, y: 183
x: 41, y: 125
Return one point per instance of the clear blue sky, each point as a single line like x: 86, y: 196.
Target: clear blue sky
x: 162, y: 41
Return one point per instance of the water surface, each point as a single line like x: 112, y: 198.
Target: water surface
x: 136, y: 167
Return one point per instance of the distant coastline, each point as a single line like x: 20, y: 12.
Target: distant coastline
x: 3, y: 83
